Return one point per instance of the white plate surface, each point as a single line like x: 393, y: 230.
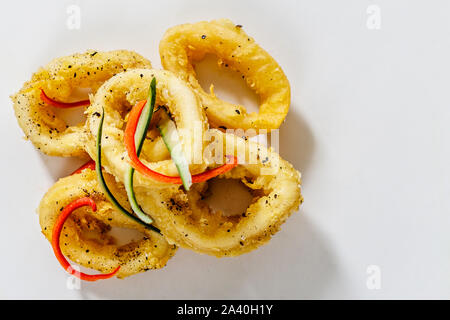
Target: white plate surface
x: 368, y: 128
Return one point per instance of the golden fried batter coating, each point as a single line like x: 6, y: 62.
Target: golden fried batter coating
x: 59, y: 79
x: 236, y: 50
x: 117, y: 96
x: 189, y: 222
x: 85, y: 239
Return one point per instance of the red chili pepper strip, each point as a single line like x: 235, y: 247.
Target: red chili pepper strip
x: 130, y: 146
x: 232, y: 162
x: 86, y: 201
x: 58, y: 104
x: 88, y: 165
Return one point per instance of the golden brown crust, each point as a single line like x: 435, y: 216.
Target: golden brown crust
x: 118, y: 95
x: 85, y: 239
x: 236, y: 50
x: 121, y: 78
x: 59, y: 78
x: 188, y: 222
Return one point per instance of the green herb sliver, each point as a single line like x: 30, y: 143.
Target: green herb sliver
x: 139, y: 138
x: 172, y: 141
x: 102, y: 182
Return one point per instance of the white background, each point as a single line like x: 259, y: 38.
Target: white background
x: 368, y: 128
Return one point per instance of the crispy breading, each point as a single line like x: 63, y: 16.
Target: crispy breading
x: 85, y: 239
x: 49, y: 133
x: 183, y: 44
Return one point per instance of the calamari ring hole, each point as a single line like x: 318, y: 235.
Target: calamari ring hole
x: 229, y: 84
x: 90, y: 229
x: 73, y: 116
x: 123, y: 236
x: 230, y: 197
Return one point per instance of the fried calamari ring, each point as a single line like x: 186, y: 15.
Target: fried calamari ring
x: 117, y: 96
x: 235, y: 50
x: 58, y: 79
x: 84, y: 237
x: 188, y: 222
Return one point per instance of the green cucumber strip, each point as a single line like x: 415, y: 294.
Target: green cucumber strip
x: 132, y: 197
x: 102, y: 182
x: 172, y: 141
x: 139, y: 138
x: 144, y: 119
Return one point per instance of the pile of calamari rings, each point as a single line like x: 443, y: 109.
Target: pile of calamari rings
x: 77, y: 213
